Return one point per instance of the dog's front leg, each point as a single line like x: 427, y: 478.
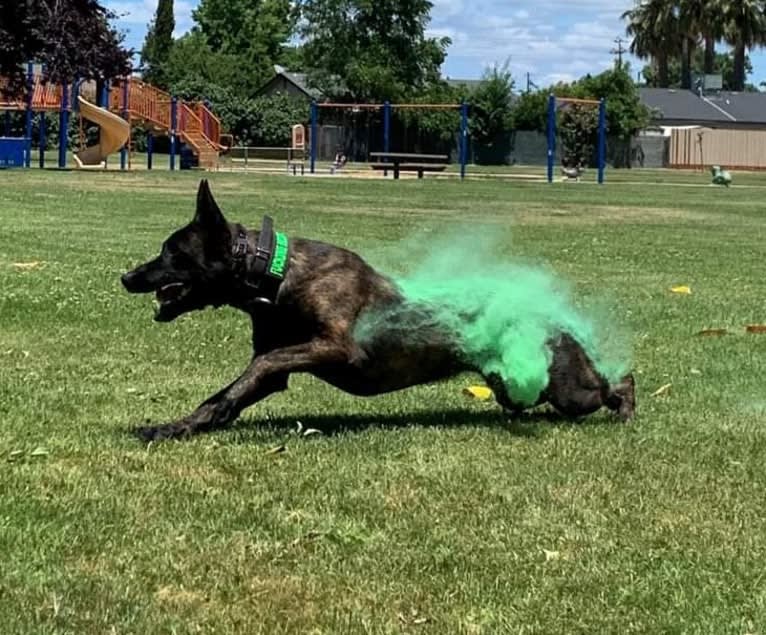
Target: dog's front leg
x: 265, y: 375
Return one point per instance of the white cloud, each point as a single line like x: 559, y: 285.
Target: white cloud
x: 551, y: 39
x: 556, y: 40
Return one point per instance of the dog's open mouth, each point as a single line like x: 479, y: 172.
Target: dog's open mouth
x: 167, y: 297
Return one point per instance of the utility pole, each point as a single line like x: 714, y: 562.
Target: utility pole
x: 530, y: 83
x: 618, y: 51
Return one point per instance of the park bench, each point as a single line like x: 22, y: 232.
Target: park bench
x: 408, y: 162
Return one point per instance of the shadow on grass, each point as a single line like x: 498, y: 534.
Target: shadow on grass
x: 532, y: 424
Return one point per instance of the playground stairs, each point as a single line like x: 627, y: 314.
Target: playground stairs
x: 144, y: 105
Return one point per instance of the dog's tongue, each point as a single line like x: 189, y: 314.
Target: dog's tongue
x: 169, y: 292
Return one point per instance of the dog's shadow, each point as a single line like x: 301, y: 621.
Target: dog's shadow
x: 534, y: 424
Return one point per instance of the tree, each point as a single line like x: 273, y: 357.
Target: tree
x: 157, y: 45
x: 655, y: 30
x: 71, y: 38
x: 256, y: 31
x: 374, y: 50
x: 492, y: 107
x: 723, y: 64
x: 530, y: 111
x: 625, y: 114
x: 191, y: 58
x: 577, y: 127
x: 745, y: 28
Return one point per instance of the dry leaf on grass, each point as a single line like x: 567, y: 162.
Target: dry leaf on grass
x: 27, y: 266
x: 661, y: 390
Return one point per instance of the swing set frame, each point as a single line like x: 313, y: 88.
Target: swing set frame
x: 553, y: 102
x: 387, y: 109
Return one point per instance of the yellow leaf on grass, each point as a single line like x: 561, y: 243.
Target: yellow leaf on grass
x: 661, y: 390
x: 682, y: 288
x: 482, y: 393
x: 26, y: 266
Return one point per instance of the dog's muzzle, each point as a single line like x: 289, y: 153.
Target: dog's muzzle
x: 129, y: 281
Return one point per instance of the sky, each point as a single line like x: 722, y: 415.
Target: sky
x: 552, y: 40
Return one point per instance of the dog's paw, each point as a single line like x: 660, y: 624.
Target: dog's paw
x: 161, y: 433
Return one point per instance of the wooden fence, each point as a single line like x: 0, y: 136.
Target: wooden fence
x: 698, y: 148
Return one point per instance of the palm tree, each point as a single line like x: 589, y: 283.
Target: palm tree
x: 700, y: 19
x: 745, y: 28
x: 655, y: 28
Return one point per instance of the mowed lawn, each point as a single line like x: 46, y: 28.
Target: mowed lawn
x: 415, y: 512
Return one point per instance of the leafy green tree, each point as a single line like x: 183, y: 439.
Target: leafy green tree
x: 492, y: 107
x: 275, y: 116
x: 158, y: 43
x: 192, y: 58
x: 625, y: 114
x: 71, y: 38
x: 435, y: 123
x: 577, y: 129
x: 256, y: 31
x: 374, y: 50
x: 530, y: 111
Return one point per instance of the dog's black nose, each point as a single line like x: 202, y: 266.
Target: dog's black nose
x: 128, y: 280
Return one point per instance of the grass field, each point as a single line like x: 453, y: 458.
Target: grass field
x: 417, y: 512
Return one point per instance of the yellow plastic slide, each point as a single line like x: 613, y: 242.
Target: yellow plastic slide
x: 115, y: 132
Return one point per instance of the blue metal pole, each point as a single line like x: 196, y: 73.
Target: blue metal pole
x: 149, y: 150
x: 42, y: 139
x: 64, y: 126
x: 103, y: 102
x: 463, y: 138
x: 314, y: 126
x: 103, y: 98
x: 601, y: 139
x: 551, y: 135
x: 30, y: 95
x: 386, y: 131
x: 7, y: 132
x: 386, y: 126
x: 126, y: 116
x: 173, y: 126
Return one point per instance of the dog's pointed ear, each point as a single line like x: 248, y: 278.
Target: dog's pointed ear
x: 208, y: 213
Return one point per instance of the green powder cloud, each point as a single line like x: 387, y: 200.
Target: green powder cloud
x: 501, y: 313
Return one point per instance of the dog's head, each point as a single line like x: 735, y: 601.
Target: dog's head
x: 189, y: 273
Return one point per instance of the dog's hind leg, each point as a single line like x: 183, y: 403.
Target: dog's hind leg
x: 622, y: 398
x: 265, y: 375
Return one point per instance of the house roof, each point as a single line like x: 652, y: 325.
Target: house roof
x: 470, y: 84
x: 676, y: 106
x: 299, y: 80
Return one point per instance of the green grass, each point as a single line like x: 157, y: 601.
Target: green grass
x: 417, y: 512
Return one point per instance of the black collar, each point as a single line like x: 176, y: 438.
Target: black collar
x: 255, y: 271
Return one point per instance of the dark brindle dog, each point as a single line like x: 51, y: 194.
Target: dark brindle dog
x: 304, y: 319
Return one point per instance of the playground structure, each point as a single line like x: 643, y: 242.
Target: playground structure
x: 126, y: 103
x: 553, y: 102
x: 418, y: 161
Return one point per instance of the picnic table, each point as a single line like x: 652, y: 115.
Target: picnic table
x: 408, y: 162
